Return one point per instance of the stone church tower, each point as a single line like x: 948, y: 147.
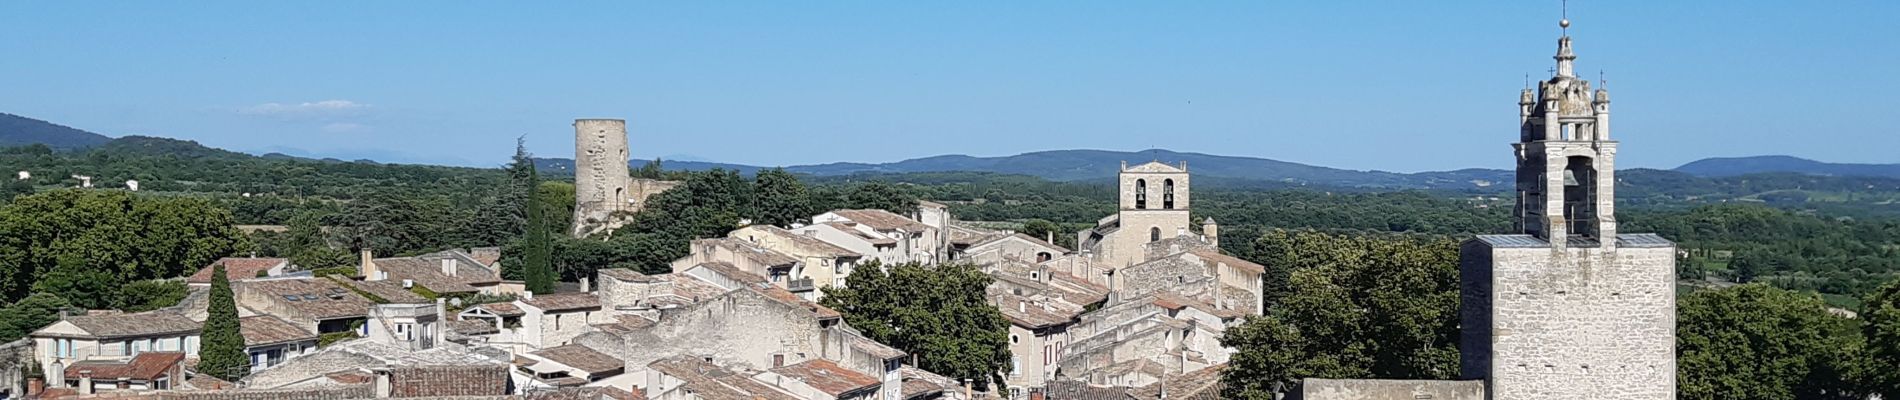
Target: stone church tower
x: 1154, y: 201
x: 601, y: 175
x: 1565, y: 307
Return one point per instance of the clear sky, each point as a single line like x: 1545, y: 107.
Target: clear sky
x: 1390, y: 85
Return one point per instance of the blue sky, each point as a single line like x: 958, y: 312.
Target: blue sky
x: 1391, y: 85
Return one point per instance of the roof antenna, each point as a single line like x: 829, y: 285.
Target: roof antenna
x: 1527, y: 81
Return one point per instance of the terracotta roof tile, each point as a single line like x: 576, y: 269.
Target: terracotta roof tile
x: 1202, y: 384
x: 580, y: 357
x: 316, y: 298
x: 237, y: 268
x: 1231, y: 261
x: 146, y: 366
x: 564, y: 301
x: 152, y: 323
x: 259, y: 330
x: 473, y: 327
x: 882, y: 220
x: 391, y: 291
x: 428, y: 273
x: 828, y: 377
x: 502, y: 309
x: 809, y: 244
x: 758, y: 255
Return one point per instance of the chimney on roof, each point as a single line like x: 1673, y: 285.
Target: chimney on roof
x: 1022, y: 306
x: 366, y: 266
x: 586, y: 285
x: 449, y: 266
x: 85, y: 381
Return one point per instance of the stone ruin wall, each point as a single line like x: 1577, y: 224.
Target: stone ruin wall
x: 601, y: 175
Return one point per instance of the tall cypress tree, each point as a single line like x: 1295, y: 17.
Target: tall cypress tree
x: 537, y: 246
x: 221, y: 353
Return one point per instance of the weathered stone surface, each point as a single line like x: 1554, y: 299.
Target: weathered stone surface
x: 601, y: 177
x: 1382, y: 389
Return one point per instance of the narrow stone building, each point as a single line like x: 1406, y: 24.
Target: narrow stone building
x: 1566, y: 307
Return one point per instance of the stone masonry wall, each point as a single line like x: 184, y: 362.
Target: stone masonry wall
x: 600, y: 173
x: 1575, y: 323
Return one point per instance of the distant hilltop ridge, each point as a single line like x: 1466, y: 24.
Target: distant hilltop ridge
x: 1057, y: 165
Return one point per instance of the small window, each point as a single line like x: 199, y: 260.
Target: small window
x: 1154, y: 234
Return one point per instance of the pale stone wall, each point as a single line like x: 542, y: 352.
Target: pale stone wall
x: 740, y: 328
x: 1382, y: 389
x: 601, y: 177
x: 308, y: 370
x: 1544, y: 323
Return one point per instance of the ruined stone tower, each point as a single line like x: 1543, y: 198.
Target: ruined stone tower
x: 1565, y: 307
x: 600, y: 174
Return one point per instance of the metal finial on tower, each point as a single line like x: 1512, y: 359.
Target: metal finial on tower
x: 1564, y: 13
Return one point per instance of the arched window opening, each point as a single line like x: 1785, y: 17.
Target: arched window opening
x: 1141, y: 194
x: 1167, y: 194
x: 1154, y: 234
x: 1580, y: 197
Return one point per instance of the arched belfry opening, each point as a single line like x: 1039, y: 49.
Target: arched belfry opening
x: 1141, y: 194
x: 1167, y: 194
x: 1580, y: 196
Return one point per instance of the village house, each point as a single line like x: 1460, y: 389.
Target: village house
x: 112, y: 338
x: 1015, y: 246
x: 446, y: 273
x: 892, y: 238
x: 321, y: 305
x: 824, y: 264
x: 783, y: 270
x: 270, y: 340
x: 778, y: 329
x: 152, y: 370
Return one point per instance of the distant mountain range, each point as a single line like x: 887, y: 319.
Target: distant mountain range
x: 20, y: 131
x: 1057, y: 165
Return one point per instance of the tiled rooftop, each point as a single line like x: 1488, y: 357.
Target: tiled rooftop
x: 316, y: 298
x: 146, y: 366
x: 564, y: 301
x: 259, y: 330
x: 236, y: 268
x: 882, y: 220
x: 582, y: 358
x: 152, y: 323
x: 828, y: 377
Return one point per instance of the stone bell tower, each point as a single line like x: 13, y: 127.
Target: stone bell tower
x: 1565, y: 307
x: 1566, y: 175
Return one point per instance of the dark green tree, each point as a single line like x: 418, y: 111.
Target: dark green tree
x: 937, y: 314
x: 1041, y: 228
x: 1758, y: 342
x: 1359, y: 306
x: 114, y: 232
x: 782, y: 199
x: 538, y: 244
x: 30, y: 314
x: 221, y: 353
x: 1880, y: 316
x: 91, y: 287
x: 148, y: 295
x: 882, y: 196
x: 15, y: 188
